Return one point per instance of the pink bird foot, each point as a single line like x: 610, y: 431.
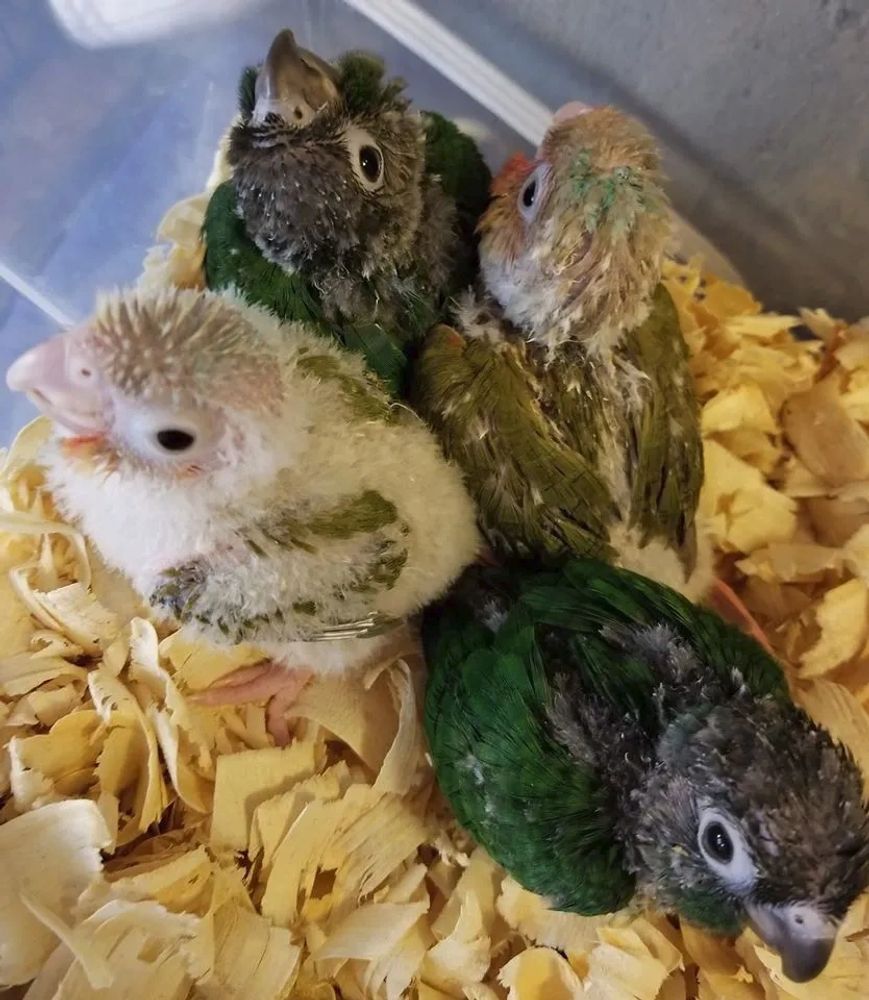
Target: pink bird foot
x: 269, y: 681
x: 723, y: 599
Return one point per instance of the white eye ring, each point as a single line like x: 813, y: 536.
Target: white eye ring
x: 531, y: 193
x: 167, y: 434
x: 725, y: 851
x: 366, y: 158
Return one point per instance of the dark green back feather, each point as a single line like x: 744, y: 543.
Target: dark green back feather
x: 457, y: 162
x: 509, y: 784
x: 587, y: 595
x: 232, y: 260
x: 456, y: 159
x: 548, y: 817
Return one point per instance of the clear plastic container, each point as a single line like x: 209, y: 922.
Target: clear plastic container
x: 95, y: 144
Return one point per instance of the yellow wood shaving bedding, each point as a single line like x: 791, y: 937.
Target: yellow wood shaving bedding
x: 154, y: 848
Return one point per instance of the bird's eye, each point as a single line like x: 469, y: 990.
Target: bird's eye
x: 725, y: 851
x: 718, y: 843
x: 531, y: 192
x: 366, y: 158
x: 173, y: 439
x: 168, y: 432
x: 371, y: 163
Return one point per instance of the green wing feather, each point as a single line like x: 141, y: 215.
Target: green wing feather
x: 382, y: 355
x: 666, y: 453
x: 542, y: 812
x: 530, y: 436
x: 538, y: 496
x: 455, y: 158
x: 587, y: 595
x: 511, y: 786
x: 456, y: 161
x: 232, y: 260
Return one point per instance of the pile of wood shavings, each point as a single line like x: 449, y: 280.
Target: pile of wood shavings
x: 153, y: 848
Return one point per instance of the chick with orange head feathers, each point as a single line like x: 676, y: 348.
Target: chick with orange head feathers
x: 564, y: 391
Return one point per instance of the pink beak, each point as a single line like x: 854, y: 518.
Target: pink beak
x: 62, y: 382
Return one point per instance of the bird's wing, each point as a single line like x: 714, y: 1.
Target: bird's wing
x: 587, y: 596
x: 381, y: 349
x: 232, y: 260
x: 213, y: 592
x: 454, y: 159
x: 519, y: 791
x: 538, y: 494
x: 665, y: 451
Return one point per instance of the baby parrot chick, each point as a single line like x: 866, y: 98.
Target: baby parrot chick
x: 346, y: 208
x: 605, y: 739
x: 252, y: 480
x: 564, y: 391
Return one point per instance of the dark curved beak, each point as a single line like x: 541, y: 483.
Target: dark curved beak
x: 293, y: 83
x: 802, y: 936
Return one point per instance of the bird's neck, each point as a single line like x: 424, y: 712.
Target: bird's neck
x: 606, y: 289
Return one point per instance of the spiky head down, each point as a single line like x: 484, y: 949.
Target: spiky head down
x: 755, y: 814
x: 329, y: 181
x: 572, y: 242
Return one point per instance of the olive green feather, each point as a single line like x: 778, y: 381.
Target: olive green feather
x: 534, y: 437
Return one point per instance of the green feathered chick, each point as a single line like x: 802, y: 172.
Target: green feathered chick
x: 564, y: 392
x: 346, y: 209
x: 605, y: 739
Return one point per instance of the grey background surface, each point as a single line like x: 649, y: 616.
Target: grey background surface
x: 762, y: 105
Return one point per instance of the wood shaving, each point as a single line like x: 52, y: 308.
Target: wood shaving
x: 154, y: 848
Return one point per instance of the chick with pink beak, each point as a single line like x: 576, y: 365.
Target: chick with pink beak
x: 60, y: 378
x: 252, y: 482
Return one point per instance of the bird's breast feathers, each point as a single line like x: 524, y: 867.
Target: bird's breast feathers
x: 140, y: 526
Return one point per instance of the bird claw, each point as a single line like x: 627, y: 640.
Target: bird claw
x: 723, y: 599
x: 272, y: 682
